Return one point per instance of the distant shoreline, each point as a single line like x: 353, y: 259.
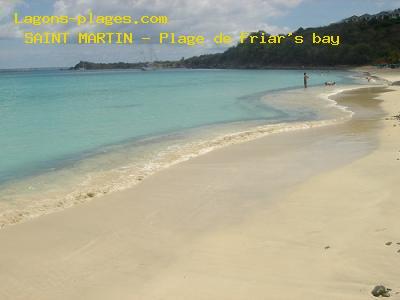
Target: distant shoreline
x: 344, y: 68
x: 108, y: 67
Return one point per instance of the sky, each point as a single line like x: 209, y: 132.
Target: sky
x: 202, y: 17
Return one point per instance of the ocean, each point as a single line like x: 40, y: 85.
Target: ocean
x: 69, y: 136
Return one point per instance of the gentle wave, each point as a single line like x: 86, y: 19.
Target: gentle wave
x: 130, y: 175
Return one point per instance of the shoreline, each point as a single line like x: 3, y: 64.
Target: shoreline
x: 26, y: 211
x: 289, y: 216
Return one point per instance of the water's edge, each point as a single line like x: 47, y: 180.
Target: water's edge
x: 171, y: 156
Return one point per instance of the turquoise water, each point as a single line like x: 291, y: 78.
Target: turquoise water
x: 51, y: 118
x: 67, y: 136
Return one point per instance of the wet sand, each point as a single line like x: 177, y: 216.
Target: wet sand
x: 297, y: 215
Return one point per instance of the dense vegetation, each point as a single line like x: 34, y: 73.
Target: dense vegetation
x: 374, y: 41
x: 362, y: 42
x: 104, y: 66
x: 85, y: 65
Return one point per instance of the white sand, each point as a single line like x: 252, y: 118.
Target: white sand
x: 391, y: 75
x: 233, y: 224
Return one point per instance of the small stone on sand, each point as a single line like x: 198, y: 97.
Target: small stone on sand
x: 388, y: 243
x: 381, y: 290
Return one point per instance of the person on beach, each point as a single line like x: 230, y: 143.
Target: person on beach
x: 305, y: 80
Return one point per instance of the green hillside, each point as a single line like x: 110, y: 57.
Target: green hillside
x: 364, y: 40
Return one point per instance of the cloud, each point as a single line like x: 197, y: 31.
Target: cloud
x: 205, y: 17
x: 8, y: 29
x: 201, y: 16
x: 191, y: 17
x: 7, y: 7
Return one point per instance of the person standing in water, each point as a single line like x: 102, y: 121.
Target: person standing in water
x: 305, y: 80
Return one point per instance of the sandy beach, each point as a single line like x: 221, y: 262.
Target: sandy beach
x: 311, y: 214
